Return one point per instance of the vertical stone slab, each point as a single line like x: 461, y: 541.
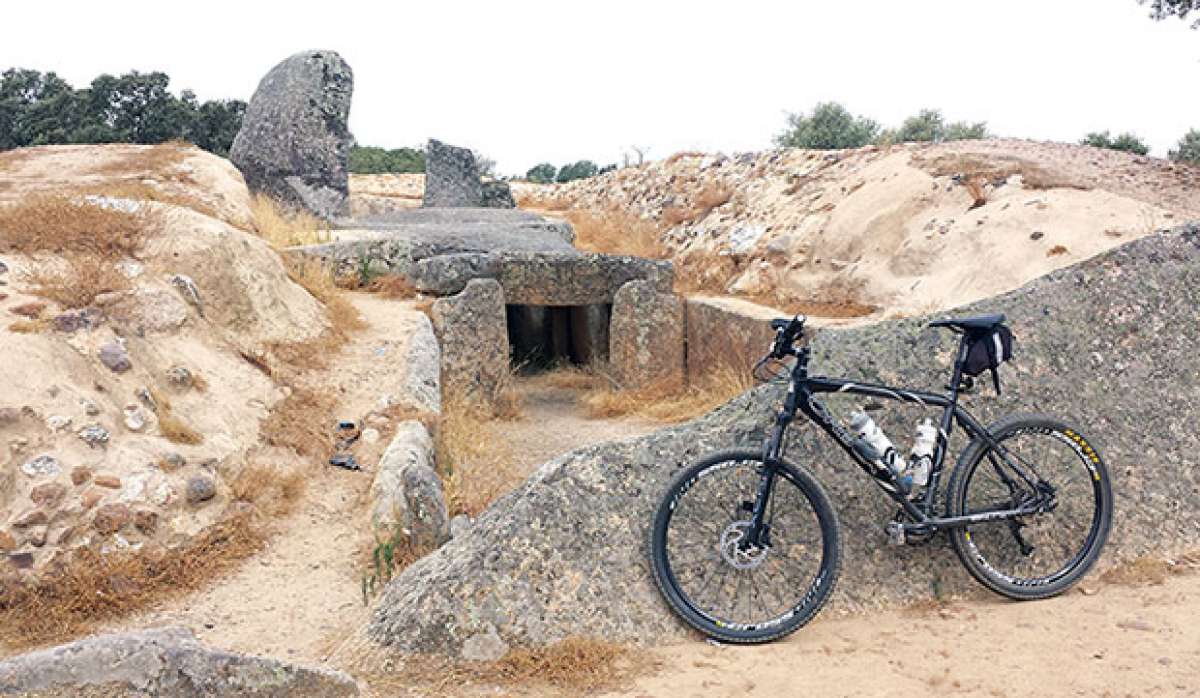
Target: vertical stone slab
x: 646, y: 337
x: 474, y: 337
x: 589, y: 332
x: 451, y: 176
x: 727, y: 333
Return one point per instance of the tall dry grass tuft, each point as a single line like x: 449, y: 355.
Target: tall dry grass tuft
x: 302, y: 422
x: 474, y: 459
x: 617, y: 232
x: 271, y: 489
x: 65, y: 225
x: 77, y: 286
x: 669, y: 403
x: 282, y: 226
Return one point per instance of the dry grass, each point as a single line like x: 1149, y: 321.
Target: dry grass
x: 575, y: 666
x: 137, y: 190
x: 1151, y: 570
x: 282, y: 226
x: 669, y: 403
x: 199, y: 382
x: 303, y: 421
x: 32, y: 310
x: 160, y: 161
x: 77, y: 285
x: 271, y: 489
x: 90, y: 587
x: 29, y: 326
x: 542, y: 202
x: 63, y: 225
x: 1056, y: 250
x: 676, y: 157
x: 617, y: 232
x: 473, y: 458
x: 173, y: 429
x: 392, y: 286
x: 314, y: 353
x: 998, y: 168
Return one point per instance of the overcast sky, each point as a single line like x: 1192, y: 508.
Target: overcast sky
x: 564, y: 80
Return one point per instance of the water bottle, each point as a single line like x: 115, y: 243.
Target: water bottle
x: 920, y: 458
x: 875, y: 447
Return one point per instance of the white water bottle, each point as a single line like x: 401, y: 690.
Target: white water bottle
x: 920, y: 458
x: 875, y: 446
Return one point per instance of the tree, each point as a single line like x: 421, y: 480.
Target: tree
x: 486, y: 165
x: 1163, y: 9
x: 929, y: 126
x: 542, y: 173
x: 964, y: 131
x: 1189, y: 148
x: 1127, y: 142
x: 830, y: 126
x: 372, y: 160
x: 579, y: 170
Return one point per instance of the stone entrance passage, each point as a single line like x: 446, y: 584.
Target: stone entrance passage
x: 543, y: 336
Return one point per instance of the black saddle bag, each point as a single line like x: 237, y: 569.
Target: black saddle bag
x: 986, y: 350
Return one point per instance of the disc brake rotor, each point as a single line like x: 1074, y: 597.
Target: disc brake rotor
x: 742, y: 558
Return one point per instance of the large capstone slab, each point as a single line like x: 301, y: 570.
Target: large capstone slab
x: 162, y: 662
x: 294, y: 143
x: 1107, y: 344
x: 451, y: 177
x: 576, y: 279
x: 474, y: 337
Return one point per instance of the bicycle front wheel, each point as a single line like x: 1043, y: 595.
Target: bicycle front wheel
x: 725, y: 588
x: 1041, y: 555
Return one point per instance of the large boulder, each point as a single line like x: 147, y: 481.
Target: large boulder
x: 474, y: 337
x: 406, y: 492
x: 295, y: 143
x: 497, y: 194
x: 561, y: 278
x: 646, y: 338
x: 451, y: 177
x: 1107, y: 344
x: 164, y: 662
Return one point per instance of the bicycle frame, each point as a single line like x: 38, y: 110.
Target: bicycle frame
x: 801, y: 397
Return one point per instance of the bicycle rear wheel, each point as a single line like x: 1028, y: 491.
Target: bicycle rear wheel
x: 729, y: 591
x: 1042, y: 555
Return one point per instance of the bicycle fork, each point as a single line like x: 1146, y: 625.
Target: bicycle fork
x: 758, y: 534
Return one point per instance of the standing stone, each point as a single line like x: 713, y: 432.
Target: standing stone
x: 294, y: 144
x: 406, y: 492
x: 474, y: 338
x: 646, y: 337
x: 589, y: 332
x: 451, y: 176
x: 497, y: 194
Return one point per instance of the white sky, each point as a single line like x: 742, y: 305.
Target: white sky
x: 564, y: 80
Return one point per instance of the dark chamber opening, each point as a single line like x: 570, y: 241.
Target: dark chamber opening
x: 544, y: 336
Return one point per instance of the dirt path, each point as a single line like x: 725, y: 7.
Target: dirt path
x: 1117, y: 641
x: 300, y: 596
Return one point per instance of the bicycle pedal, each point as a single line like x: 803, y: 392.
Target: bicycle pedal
x: 895, y: 532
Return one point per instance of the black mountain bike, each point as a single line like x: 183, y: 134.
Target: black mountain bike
x: 745, y: 545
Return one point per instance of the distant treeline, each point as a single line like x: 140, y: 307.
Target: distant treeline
x: 546, y: 173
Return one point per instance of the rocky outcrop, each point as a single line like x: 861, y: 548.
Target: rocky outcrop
x: 406, y: 492
x: 451, y: 177
x: 474, y: 339
x: 294, y: 143
x: 497, y: 194
x: 726, y: 333
x: 164, y: 662
x: 646, y: 335
x: 1107, y: 344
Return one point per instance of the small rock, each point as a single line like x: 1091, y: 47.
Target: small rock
x: 21, y: 561
x: 93, y: 435
x: 76, y: 320
x: 459, y: 525
x: 110, y: 518
x: 48, y: 494
x: 58, y: 422
x: 80, y: 475
x: 43, y: 465
x: 112, y: 482
x: 114, y: 356
x: 1037, y: 235
x: 3, y: 268
x: 90, y: 408
x: 145, y: 521
x: 190, y: 292
x: 134, y: 419
x: 90, y: 499
x: 37, y: 517
x: 147, y: 399
x: 36, y: 536
x: 173, y: 461
x: 180, y: 377
x: 370, y: 435
x: 7, y: 542
x: 200, y: 489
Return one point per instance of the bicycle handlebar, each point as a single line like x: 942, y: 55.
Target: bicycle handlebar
x: 786, y: 334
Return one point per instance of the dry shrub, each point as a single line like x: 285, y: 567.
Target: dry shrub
x: 1056, y: 250
x: 542, y: 202
x: 173, y: 429
x: 571, y: 377
x: 388, y: 558
x: 273, y: 490
x: 473, y: 458
x: 63, y: 225
x: 303, y: 421
x: 616, y: 232
x: 32, y: 310
x: 91, y: 587
x: 319, y: 281
x: 78, y: 285
x: 29, y: 326
x: 392, y: 286
x: 283, y: 226
x: 199, y: 382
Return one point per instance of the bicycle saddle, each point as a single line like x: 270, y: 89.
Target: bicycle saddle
x: 976, y: 323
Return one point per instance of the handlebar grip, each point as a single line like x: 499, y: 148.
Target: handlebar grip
x: 787, y: 332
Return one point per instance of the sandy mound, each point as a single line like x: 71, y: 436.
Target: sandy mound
x: 904, y: 230
x: 380, y: 194
x: 129, y: 404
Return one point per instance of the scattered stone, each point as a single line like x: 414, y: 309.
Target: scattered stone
x: 294, y: 143
x: 94, y: 435
x: 497, y: 194
x: 48, y: 494
x: 370, y: 435
x: 449, y: 273
x: 163, y: 662
x: 75, y: 320
x: 406, y: 491
x: 474, y: 342
x: 42, y: 466
x: 114, y: 356
x: 134, y: 419
x: 36, y: 536
x: 451, y: 176
x: 90, y: 499
x: 58, y: 422
x: 200, y: 488
x: 190, y: 292
x: 110, y: 518
x: 1037, y: 235
x: 21, y: 561
x: 146, y: 521
x: 7, y: 542
x: 80, y: 474
x: 90, y: 408
x: 173, y: 461
x: 35, y: 517
x: 146, y: 398
x: 646, y: 338
x: 459, y: 525
x: 112, y: 482
x: 180, y: 377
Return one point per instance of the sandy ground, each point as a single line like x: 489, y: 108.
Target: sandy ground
x: 1112, y: 641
